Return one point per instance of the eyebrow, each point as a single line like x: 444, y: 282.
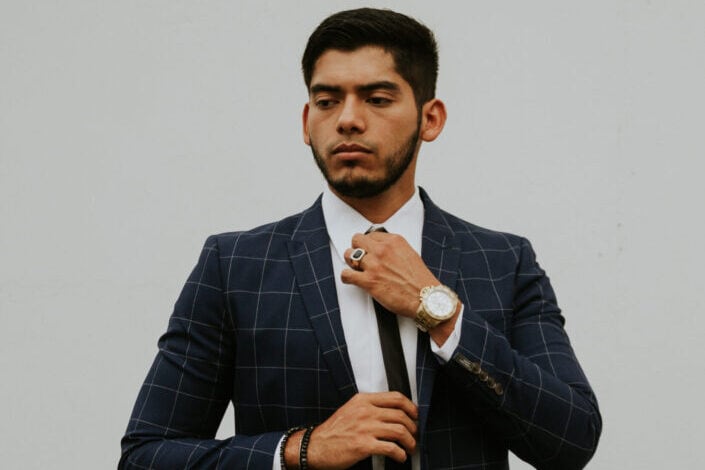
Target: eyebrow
x: 381, y: 85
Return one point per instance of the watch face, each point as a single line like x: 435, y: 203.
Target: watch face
x: 440, y: 304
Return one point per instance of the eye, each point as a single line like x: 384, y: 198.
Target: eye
x: 324, y: 103
x: 379, y: 100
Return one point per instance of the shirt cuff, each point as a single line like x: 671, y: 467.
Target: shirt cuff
x: 276, y: 463
x: 445, y: 353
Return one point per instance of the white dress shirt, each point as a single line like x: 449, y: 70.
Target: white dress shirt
x: 357, y: 311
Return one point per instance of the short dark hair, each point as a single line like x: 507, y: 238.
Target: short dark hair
x: 410, y: 43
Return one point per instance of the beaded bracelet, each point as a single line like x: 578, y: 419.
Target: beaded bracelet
x: 282, y: 448
x: 303, y: 457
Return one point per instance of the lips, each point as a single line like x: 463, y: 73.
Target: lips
x: 350, y: 148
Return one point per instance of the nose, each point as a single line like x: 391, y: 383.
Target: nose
x: 351, y: 119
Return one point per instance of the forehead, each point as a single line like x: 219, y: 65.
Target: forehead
x: 363, y: 65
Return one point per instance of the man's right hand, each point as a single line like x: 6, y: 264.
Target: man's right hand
x: 368, y: 424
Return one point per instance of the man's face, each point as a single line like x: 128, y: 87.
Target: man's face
x: 362, y: 123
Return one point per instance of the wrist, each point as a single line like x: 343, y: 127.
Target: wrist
x: 441, y: 332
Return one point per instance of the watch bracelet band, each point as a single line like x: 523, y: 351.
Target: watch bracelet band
x: 423, y: 321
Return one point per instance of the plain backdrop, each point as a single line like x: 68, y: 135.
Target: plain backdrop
x: 131, y: 130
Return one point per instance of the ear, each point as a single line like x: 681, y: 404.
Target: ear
x: 433, y: 118
x: 304, y: 118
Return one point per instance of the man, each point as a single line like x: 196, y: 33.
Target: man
x: 290, y: 321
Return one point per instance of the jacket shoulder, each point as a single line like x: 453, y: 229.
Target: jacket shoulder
x: 483, y: 238
x: 260, y: 240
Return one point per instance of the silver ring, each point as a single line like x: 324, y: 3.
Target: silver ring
x: 356, y: 257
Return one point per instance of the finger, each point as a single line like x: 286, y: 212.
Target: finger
x: 396, y: 416
x: 394, y: 400
x: 360, y: 240
x: 380, y: 236
x: 398, y: 434
x: 389, y: 449
x: 352, y: 276
x: 347, y: 256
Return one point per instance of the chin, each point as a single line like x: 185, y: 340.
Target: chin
x: 359, y: 188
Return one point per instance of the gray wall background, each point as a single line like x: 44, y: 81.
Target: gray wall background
x: 131, y: 130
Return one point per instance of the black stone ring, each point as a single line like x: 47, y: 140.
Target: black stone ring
x: 356, y: 257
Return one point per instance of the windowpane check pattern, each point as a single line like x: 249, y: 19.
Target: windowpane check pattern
x: 257, y: 324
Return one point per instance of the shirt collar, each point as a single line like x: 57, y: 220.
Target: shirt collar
x: 342, y: 221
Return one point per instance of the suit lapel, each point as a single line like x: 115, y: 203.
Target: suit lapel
x: 309, y: 251
x: 441, y: 253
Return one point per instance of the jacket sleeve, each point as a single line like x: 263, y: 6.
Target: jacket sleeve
x: 189, y: 385
x: 527, y: 383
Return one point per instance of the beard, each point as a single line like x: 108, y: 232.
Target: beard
x: 395, y: 164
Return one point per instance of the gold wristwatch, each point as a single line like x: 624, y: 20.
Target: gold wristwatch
x: 438, y: 304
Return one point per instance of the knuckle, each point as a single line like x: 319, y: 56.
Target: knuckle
x: 364, y: 413
x: 388, y: 447
x: 358, y: 445
x: 399, y: 397
x: 384, y: 250
x: 358, y: 397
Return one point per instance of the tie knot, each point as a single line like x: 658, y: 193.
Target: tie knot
x: 376, y: 228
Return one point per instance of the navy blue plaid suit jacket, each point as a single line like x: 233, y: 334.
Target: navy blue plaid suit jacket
x: 257, y: 324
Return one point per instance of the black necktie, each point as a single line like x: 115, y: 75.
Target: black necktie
x: 393, y: 356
